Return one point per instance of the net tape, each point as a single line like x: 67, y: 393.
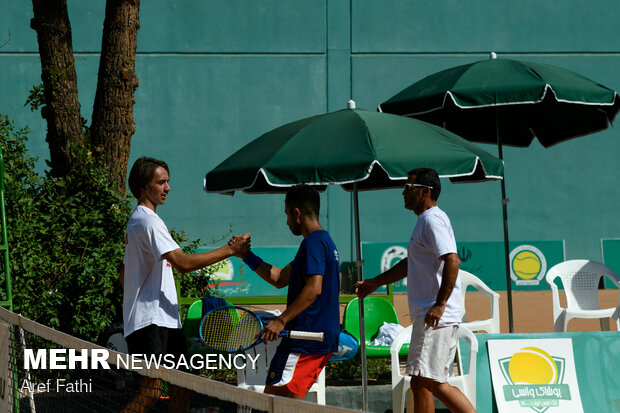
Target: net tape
x: 207, y: 396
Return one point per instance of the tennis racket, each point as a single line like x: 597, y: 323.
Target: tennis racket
x: 234, y: 329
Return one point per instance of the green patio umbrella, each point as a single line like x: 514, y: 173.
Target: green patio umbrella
x: 348, y: 147
x: 356, y: 149
x: 508, y: 102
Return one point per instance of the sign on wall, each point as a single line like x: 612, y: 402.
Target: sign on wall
x: 536, y: 375
x: 529, y: 261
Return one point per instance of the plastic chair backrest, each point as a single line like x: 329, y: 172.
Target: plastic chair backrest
x: 377, y: 310
x: 580, y: 279
x: 192, y: 319
x: 490, y: 325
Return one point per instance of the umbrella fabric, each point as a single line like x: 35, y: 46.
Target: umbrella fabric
x: 374, y: 150
x: 513, y: 99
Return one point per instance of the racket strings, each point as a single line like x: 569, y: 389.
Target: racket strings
x: 244, y: 333
x: 230, y: 329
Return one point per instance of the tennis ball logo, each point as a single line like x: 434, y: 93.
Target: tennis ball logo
x: 532, y: 365
x: 526, y: 265
x: 223, y: 270
x: 391, y: 257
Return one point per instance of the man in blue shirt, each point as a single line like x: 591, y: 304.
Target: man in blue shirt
x: 312, y: 302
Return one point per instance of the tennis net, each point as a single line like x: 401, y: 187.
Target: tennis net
x: 44, y: 370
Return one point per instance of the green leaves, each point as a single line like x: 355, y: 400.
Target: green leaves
x: 66, y: 240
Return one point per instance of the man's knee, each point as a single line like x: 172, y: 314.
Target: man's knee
x: 453, y: 398
x: 443, y: 389
x: 434, y: 387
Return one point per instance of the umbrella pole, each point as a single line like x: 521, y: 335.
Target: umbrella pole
x: 360, y: 276
x: 506, y: 239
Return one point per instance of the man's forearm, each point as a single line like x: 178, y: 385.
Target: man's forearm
x: 448, y: 278
x: 396, y: 273
x: 449, y: 275
x: 306, y: 297
x: 185, y: 263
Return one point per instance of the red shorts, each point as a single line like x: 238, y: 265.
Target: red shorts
x: 296, y: 371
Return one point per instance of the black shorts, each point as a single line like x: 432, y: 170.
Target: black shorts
x: 156, y: 340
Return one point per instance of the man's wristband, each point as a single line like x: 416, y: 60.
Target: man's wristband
x: 252, y: 260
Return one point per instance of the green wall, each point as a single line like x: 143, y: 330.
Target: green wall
x: 215, y: 75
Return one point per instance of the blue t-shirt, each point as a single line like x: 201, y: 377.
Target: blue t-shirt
x: 317, y: 254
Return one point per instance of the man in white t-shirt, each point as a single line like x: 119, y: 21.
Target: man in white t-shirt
x: 433, y: 291
x: 150, y: 309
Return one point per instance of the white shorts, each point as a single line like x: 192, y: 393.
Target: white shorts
x: 431, y: 351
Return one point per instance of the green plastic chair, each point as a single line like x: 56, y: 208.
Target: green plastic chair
x: 377, y: 310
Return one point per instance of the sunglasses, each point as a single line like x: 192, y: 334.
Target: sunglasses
x: 409, y: 187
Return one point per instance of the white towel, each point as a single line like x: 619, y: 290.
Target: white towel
x: 387, y: 334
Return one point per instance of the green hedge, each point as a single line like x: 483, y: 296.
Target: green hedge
x: 67, y: 242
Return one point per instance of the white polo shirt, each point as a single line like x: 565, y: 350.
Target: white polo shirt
x: 150, y: 295
x: 432, y: 238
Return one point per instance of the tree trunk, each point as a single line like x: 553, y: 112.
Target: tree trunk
x: 112, y: 122
x: 62, y: 110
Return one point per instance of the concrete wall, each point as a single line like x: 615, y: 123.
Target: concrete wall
x: 214, y: 75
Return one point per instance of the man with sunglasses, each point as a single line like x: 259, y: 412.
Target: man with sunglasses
x: 434, y: 294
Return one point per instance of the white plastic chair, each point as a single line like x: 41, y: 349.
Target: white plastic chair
x: 490, y: 325
x: 401, y: 383
x: 580, y: 279
x: 254, y: 379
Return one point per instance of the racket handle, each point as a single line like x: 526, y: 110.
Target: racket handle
x: 306, y: 335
